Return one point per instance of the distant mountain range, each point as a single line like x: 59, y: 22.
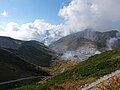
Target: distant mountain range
x: 83, y: 44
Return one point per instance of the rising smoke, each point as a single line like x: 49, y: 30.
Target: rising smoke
x: 111, y: 42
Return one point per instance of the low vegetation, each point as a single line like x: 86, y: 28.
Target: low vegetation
x: 84, y: 73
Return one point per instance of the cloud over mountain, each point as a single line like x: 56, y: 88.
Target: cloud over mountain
x: 98, y: 14
x: 38, y: 30
x: 78, y: 15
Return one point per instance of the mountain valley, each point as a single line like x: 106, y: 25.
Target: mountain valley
x: 70, y: 63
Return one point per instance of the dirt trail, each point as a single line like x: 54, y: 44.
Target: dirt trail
x: 93, y: 86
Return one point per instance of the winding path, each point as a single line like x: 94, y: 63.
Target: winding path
x: 21, y: 79
x: 93, y: 86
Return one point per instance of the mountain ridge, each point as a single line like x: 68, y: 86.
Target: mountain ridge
x: 84, y: 44
x: 32, y: 51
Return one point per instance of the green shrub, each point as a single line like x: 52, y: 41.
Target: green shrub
x: 96, y: 67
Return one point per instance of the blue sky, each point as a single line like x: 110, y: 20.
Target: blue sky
x: 22, y: 11
x: 33, y: 19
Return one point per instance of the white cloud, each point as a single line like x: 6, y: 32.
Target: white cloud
x: 78, y: 15
x: 38, y: 30
x: 98, y: 14
x: 4, y: 13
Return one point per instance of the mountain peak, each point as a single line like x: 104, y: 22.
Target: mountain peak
x: 86, y: 43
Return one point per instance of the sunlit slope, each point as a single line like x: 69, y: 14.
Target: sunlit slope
x: 86, y: 72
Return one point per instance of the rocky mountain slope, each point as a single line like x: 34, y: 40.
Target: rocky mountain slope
x: 81, y: 45
x: 31, y: 51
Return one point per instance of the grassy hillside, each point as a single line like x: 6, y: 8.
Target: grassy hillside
x: 84, y: 73
x: 12, y: 67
